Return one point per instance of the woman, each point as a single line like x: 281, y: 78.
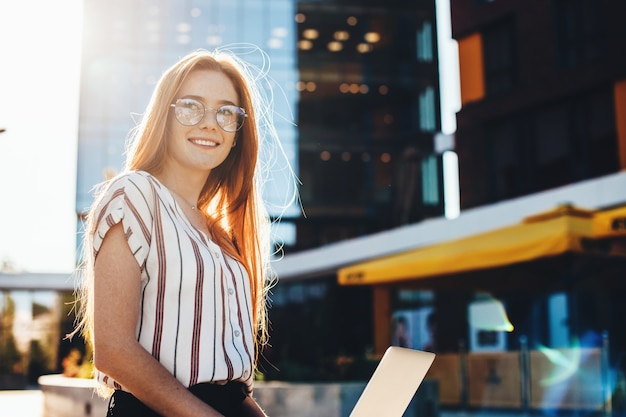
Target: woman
x: 177, y: 251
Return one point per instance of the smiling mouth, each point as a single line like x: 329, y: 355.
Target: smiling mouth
x: 203, y: 142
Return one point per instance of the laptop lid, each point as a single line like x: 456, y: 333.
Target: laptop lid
x: 393, y: 383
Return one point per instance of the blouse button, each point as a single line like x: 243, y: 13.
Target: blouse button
x: 231, y: 291
x: 237, y: 333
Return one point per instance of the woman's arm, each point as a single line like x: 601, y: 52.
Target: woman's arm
x: 117, y: 291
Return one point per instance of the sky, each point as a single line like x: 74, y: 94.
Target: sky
x: 40, y: 43
x: 39, y: 85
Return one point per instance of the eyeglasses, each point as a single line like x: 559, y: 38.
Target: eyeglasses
x: 190, y: 112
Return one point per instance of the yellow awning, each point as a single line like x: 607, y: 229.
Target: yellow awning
x: 545, y: 235
x: 609, y: 223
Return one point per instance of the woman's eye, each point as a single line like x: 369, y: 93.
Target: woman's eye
x: 226, y: 111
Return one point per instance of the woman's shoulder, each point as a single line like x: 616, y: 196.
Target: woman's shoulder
x: 130, y: 182
x: 131, y: 177
x: 129, y: 198
x: 137, y: 186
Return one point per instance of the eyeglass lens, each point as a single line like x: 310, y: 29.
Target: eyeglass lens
x: 190, y: 112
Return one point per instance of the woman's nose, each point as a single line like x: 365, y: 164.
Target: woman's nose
x: 210, y: 119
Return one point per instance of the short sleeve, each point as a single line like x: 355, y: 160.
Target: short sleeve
x: 128, y: 199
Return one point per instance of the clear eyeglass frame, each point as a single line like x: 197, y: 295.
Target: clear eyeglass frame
x: 190, y: 112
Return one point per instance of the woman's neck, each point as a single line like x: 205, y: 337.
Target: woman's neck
x: 185, y: 187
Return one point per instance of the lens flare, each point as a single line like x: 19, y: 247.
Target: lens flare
x: 573, y: 372
x: 566, y: 361
x: 565, y: 364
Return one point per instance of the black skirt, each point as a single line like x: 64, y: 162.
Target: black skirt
x: 227, y: 399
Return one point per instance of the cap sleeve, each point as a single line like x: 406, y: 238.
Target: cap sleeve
x: 128, y: 199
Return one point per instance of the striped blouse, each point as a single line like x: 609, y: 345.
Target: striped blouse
x: 196, y: 316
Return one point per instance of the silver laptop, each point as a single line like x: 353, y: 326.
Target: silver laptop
x: 394, y: 382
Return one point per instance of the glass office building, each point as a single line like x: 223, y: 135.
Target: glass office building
x: 355, y: 94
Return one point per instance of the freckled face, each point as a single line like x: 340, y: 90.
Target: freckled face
x: 206, y: 145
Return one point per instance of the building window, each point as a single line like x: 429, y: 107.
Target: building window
x: 595, y: 134
x: 430, y: 180
x: 575, y: 139
x: 333, y: 177
x: 507, y: 177
x: 427, y: 110
x: 580, y: 33
x: 425, y: 43
x: 499, y: 55
x: 552, y: 148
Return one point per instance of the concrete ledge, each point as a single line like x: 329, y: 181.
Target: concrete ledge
x: 288, y: 399
x: 75, y: 397
x: 283, y: 399
x: 70, y: 397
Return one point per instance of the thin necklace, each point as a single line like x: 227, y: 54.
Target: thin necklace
x: 193, y: 207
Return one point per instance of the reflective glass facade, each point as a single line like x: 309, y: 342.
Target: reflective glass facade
x: 368, y: 110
